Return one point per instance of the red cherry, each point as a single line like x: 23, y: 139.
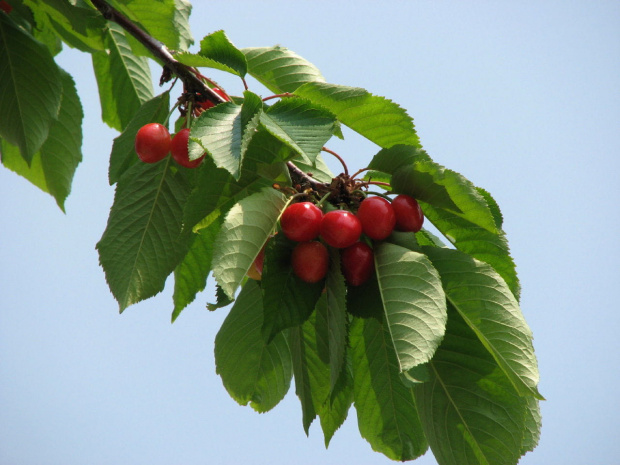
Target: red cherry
x: 178, y: 148
x: 409, y: 216
x: 377, y: 217
x: 256, y: 269
x: 357, y: 263
x: 6, y: 7
x: 152, y: 142
x: 310, y: 261
x: 340, y: 228
x: 301, y: 221
x: 221, y: 93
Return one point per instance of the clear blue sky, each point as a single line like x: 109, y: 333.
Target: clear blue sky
x: 520, y: 97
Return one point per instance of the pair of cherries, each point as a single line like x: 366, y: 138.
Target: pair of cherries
x: 376, y: 217
x: 153, y: 143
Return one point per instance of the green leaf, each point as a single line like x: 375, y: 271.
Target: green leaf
x: 30, y: 89
x: 245, y: 230
x: 80, y: 28
x: 376, y: 118
x: 414, y: 303
x: 477, y: 242
x: 414, y: 174
x: 53, y: 167
x: 331, y: 320
x: 470, y: 411
x: 221, y: 300
x: 215, y: 192
x: 142, y: 243
x: 225, y: 131
x: 312, y: 384
x: 216, y: 51
x: 190, y: 276
x: 124, y: 79
x: 533, y: 424
x: 251, y: 370
x: 123, y: 153
x: 301, y: 125
x: 288, y: 301
x: 485, y: 302
x: 320, y: 171
x: 386, y: 411
x: 157, y: 18
x: 280, y: 69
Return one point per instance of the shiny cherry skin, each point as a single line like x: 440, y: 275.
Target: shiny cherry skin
x: 409, y: 216
x: 377, y: 217
x: 152, y: 142
x: 340, y: 228
x: 310, y: 261
x: 178, y: 148
x: 301, y: 221
x: 358, y: 263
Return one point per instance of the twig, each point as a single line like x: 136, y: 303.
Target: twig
x: 190, y: 80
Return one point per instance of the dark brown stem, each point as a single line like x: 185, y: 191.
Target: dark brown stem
x: 160, y: 51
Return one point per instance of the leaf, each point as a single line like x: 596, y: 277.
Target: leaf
x: 53, y: 167
x: 533, y: 424
x: 251, y: 370
x: 476, y: 241
x: 142, y: 243
x: 225, y: 131
x: 378, y: 119
x: 221, y: 300
x: 414, y: 303
x: 124, y: 79
x: 386, y: 411
x: 157, y: 17
x: 280, y: 69
x: 288, y: 301
x: 470, y: 411
x: 216, y: 51
x: 215, y: 192
x: 244, y: 232
x: 301, y: 125
x: 30, y: 100
x: 123, y: 153
x: 190, y: 276
x: 486, y: 304
x: 414, y: 174
x: 331, y: 320
x: 79, y: 28
x: 312, y: 384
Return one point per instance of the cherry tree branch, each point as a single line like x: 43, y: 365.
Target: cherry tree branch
x: 160, y: 51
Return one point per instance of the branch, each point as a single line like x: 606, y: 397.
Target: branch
x: 302, y: 178
x: 190, y: 80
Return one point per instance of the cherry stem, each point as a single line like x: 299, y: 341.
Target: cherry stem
x: 286, y: 94
x: 358, y: 172
x: 344, y: 165
x: 160, y: 51
x: 379, y: 183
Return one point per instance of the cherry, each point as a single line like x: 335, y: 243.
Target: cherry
x: 178, y: 148
x: 377, y: 217
x: 256, y: 269
x: 152, y: 142
x: 340, y: 228
x: 221, y: 93
x: 6, y: 7
x: 409, y: 216
x: 301, y: 221
x: 357, y: 263
x: 310, y: 261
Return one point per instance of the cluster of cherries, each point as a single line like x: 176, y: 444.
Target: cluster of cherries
x: 154, y: 143
x: 376, y: 218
